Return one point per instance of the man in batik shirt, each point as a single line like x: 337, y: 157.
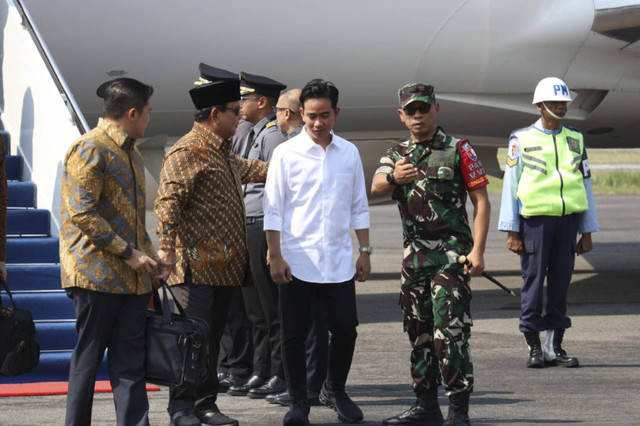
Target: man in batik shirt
x: 106, y: 257
x: 201, y: 214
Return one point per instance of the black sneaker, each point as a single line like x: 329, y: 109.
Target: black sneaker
x: 339, y: 401
x: 298, y: 414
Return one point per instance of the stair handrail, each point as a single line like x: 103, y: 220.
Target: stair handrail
x: 76, y: 114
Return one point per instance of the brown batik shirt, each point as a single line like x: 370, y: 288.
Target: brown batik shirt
x: 200, y: 209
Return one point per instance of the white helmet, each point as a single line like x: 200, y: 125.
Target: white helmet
x: 552, y: 89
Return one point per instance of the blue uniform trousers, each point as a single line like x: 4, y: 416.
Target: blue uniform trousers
x: 550, y: 247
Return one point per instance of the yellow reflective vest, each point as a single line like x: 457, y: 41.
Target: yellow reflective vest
x: 551, y: 183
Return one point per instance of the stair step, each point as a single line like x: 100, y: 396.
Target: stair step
x: 53, y: 367
x: 33, y: 277
x: 13, y: 166
x: 46, y: 305
x: 21, y: 194
x: 33, y: 250
x: 28, y: 222
x: 7, y: 141
x: 57, y: 336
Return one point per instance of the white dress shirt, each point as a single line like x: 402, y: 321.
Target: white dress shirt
x: 312, y: 197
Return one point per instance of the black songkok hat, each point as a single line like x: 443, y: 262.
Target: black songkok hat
x: 214, y: 94
x: 250, y: 83
x: 209, y: 74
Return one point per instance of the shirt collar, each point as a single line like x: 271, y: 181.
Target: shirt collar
x: 296, y: 132
x: 208, y: 135
x: 116, y: 133
x: 436, y: 141
x: 263, y: 122
x: 336, y: 141
x: 538, y: 125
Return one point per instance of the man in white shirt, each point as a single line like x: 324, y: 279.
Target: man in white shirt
x: 315, y: 191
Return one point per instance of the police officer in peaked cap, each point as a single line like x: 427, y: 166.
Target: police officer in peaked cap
x: 259, y: 96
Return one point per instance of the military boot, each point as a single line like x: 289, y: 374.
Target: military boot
x: 458, y: 410
x: 553, y: 352
x: 426, y: 411
x: 536, y: 359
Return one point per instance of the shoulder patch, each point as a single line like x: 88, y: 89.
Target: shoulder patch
x: 270, y: 124
x: 468, y: 150
x: 514, y: 147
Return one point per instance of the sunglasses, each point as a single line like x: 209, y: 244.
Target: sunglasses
x: 411, y: 110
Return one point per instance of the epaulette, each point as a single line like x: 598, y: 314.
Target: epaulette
x: 270, y: 124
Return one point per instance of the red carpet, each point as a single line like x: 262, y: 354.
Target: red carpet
x: 52, y: 388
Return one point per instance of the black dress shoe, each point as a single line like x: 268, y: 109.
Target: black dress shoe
x: 274, y: 385
x: 229, y: 380
x: 184, y: 418
x: 241, y: 390
x: 216, y: 418
x: 339, y: 401
x: 283, y: 399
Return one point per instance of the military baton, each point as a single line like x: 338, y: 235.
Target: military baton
x: 463, y: 259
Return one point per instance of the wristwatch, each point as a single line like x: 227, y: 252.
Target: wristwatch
x: 367, y: 249
x: 127, y: 253
x: 391, y: 180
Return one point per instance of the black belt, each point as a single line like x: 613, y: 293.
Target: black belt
x: 252, y: 220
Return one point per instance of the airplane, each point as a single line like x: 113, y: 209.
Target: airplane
x: 484, y: 58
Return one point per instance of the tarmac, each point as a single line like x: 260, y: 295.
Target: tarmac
x: 604, y: 305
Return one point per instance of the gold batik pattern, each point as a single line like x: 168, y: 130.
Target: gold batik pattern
x: 200, y: 208
x: 103, y: 212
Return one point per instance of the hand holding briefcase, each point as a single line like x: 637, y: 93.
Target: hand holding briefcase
x: 177, y: 345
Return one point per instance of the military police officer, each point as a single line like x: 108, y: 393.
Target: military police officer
x: 546, y: 200
x: 430, y: 176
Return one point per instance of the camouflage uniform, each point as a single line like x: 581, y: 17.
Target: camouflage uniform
x: 435, y: 294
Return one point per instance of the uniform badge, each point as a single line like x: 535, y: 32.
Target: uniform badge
x: 514, y: 148
x: 512, y: 161
x: 471, y: 153
x: 574, y: 144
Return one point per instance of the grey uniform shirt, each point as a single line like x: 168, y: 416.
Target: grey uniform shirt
x: 239, y: 140
x: 268, y: 137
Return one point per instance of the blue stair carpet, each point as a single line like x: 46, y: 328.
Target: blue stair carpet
x: 13, y: 167
x: 21, y: 194
x: 28, y: 222
x: 33, y: 250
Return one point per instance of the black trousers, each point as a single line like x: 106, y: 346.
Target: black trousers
x: 338, y: 302
x: 117, y: 322
x: 317, y: 348
x: 236, y: 343
x: 211, y: 303
x: 261, y: 303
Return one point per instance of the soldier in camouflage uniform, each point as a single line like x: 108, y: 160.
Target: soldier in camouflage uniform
x: 430, y: 176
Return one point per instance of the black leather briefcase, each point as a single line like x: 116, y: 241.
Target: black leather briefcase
x: 19, y: 349
x: 177, y: 349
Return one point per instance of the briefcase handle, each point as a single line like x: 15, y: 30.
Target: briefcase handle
x: 6, y: 289
x: 164, y: 306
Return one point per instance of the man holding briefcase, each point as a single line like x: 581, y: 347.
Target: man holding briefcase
x: 201, y: 225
